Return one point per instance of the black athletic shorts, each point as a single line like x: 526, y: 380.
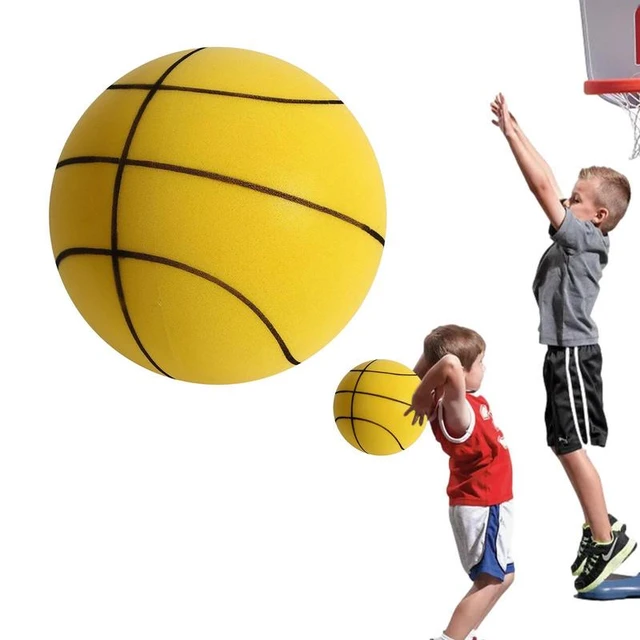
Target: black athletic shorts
x: 574, y: 414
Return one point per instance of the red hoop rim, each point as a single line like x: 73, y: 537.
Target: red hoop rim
x: 612, y: 85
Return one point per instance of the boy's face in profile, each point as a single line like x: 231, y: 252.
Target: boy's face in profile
x: 473, y: 377
x: 583, y: 202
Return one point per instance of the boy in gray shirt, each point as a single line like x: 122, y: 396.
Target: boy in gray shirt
x: 566, y: 286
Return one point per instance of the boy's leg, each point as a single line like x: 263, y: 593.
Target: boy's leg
x: 588, y: 487
x: 476, y: 604
x: 508, y: 581
x: 575, y: 417
x: 609, y: 548
x: 483, y: 537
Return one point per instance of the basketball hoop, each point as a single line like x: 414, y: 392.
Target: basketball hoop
x: 611, y: 30
x: 624, y: 92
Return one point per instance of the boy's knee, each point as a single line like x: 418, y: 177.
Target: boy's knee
x: 486, y: 580
x: 572, y: 459
x: 567, y: 454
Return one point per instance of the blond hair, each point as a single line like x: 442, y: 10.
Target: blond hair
x: 613, y: 192
x: 459, y: 341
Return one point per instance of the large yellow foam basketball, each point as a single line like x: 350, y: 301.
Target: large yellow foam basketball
x: 217, y: 215
x: 369, y: 407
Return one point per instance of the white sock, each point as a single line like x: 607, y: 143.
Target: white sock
x: 444, y: 636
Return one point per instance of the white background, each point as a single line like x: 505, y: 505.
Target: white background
x: 133, y: 506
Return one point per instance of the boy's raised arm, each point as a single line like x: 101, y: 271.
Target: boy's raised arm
x: 446, y: 381
x: 538, y: 158
x: 535, y: 170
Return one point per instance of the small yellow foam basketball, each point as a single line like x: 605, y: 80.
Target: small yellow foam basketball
x: 217, y: 215
x: 369, y: 407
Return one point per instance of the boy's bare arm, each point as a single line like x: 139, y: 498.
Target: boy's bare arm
x: 537, y: 157
x: 530, y: 148
x: 540, y: 180
x: 444, y: 381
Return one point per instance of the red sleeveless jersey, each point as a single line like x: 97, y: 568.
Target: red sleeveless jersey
x: 479, y: 461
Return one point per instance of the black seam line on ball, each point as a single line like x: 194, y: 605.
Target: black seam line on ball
x: 114, y: 207
x: 386, y: 373
x: 200, y: 173
x: 136, y: 255
x: 229, y: 94
x: 368, y: 393
x: 353, y: 397
x: 393, y: 435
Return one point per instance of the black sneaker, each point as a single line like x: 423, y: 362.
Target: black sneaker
x: 603, y: 560
x: 578, y: 563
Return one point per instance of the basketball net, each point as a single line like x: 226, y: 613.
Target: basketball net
x: 625, y: 93
x: 630, y: 102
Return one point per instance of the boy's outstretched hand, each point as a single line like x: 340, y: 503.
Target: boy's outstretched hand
x: 505, y: 120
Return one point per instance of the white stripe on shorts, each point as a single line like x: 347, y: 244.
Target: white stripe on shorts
x: 572, y: 402
x: 585, y: 407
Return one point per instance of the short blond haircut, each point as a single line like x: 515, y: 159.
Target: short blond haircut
x: 465, y: 343
x: 613, y: 193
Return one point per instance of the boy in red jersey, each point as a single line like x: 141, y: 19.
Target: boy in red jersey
x: 480, y: 481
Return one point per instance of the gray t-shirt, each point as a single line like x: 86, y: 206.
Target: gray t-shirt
x: 566, y: 283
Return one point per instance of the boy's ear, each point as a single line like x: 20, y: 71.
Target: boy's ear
x: 601, y: 215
